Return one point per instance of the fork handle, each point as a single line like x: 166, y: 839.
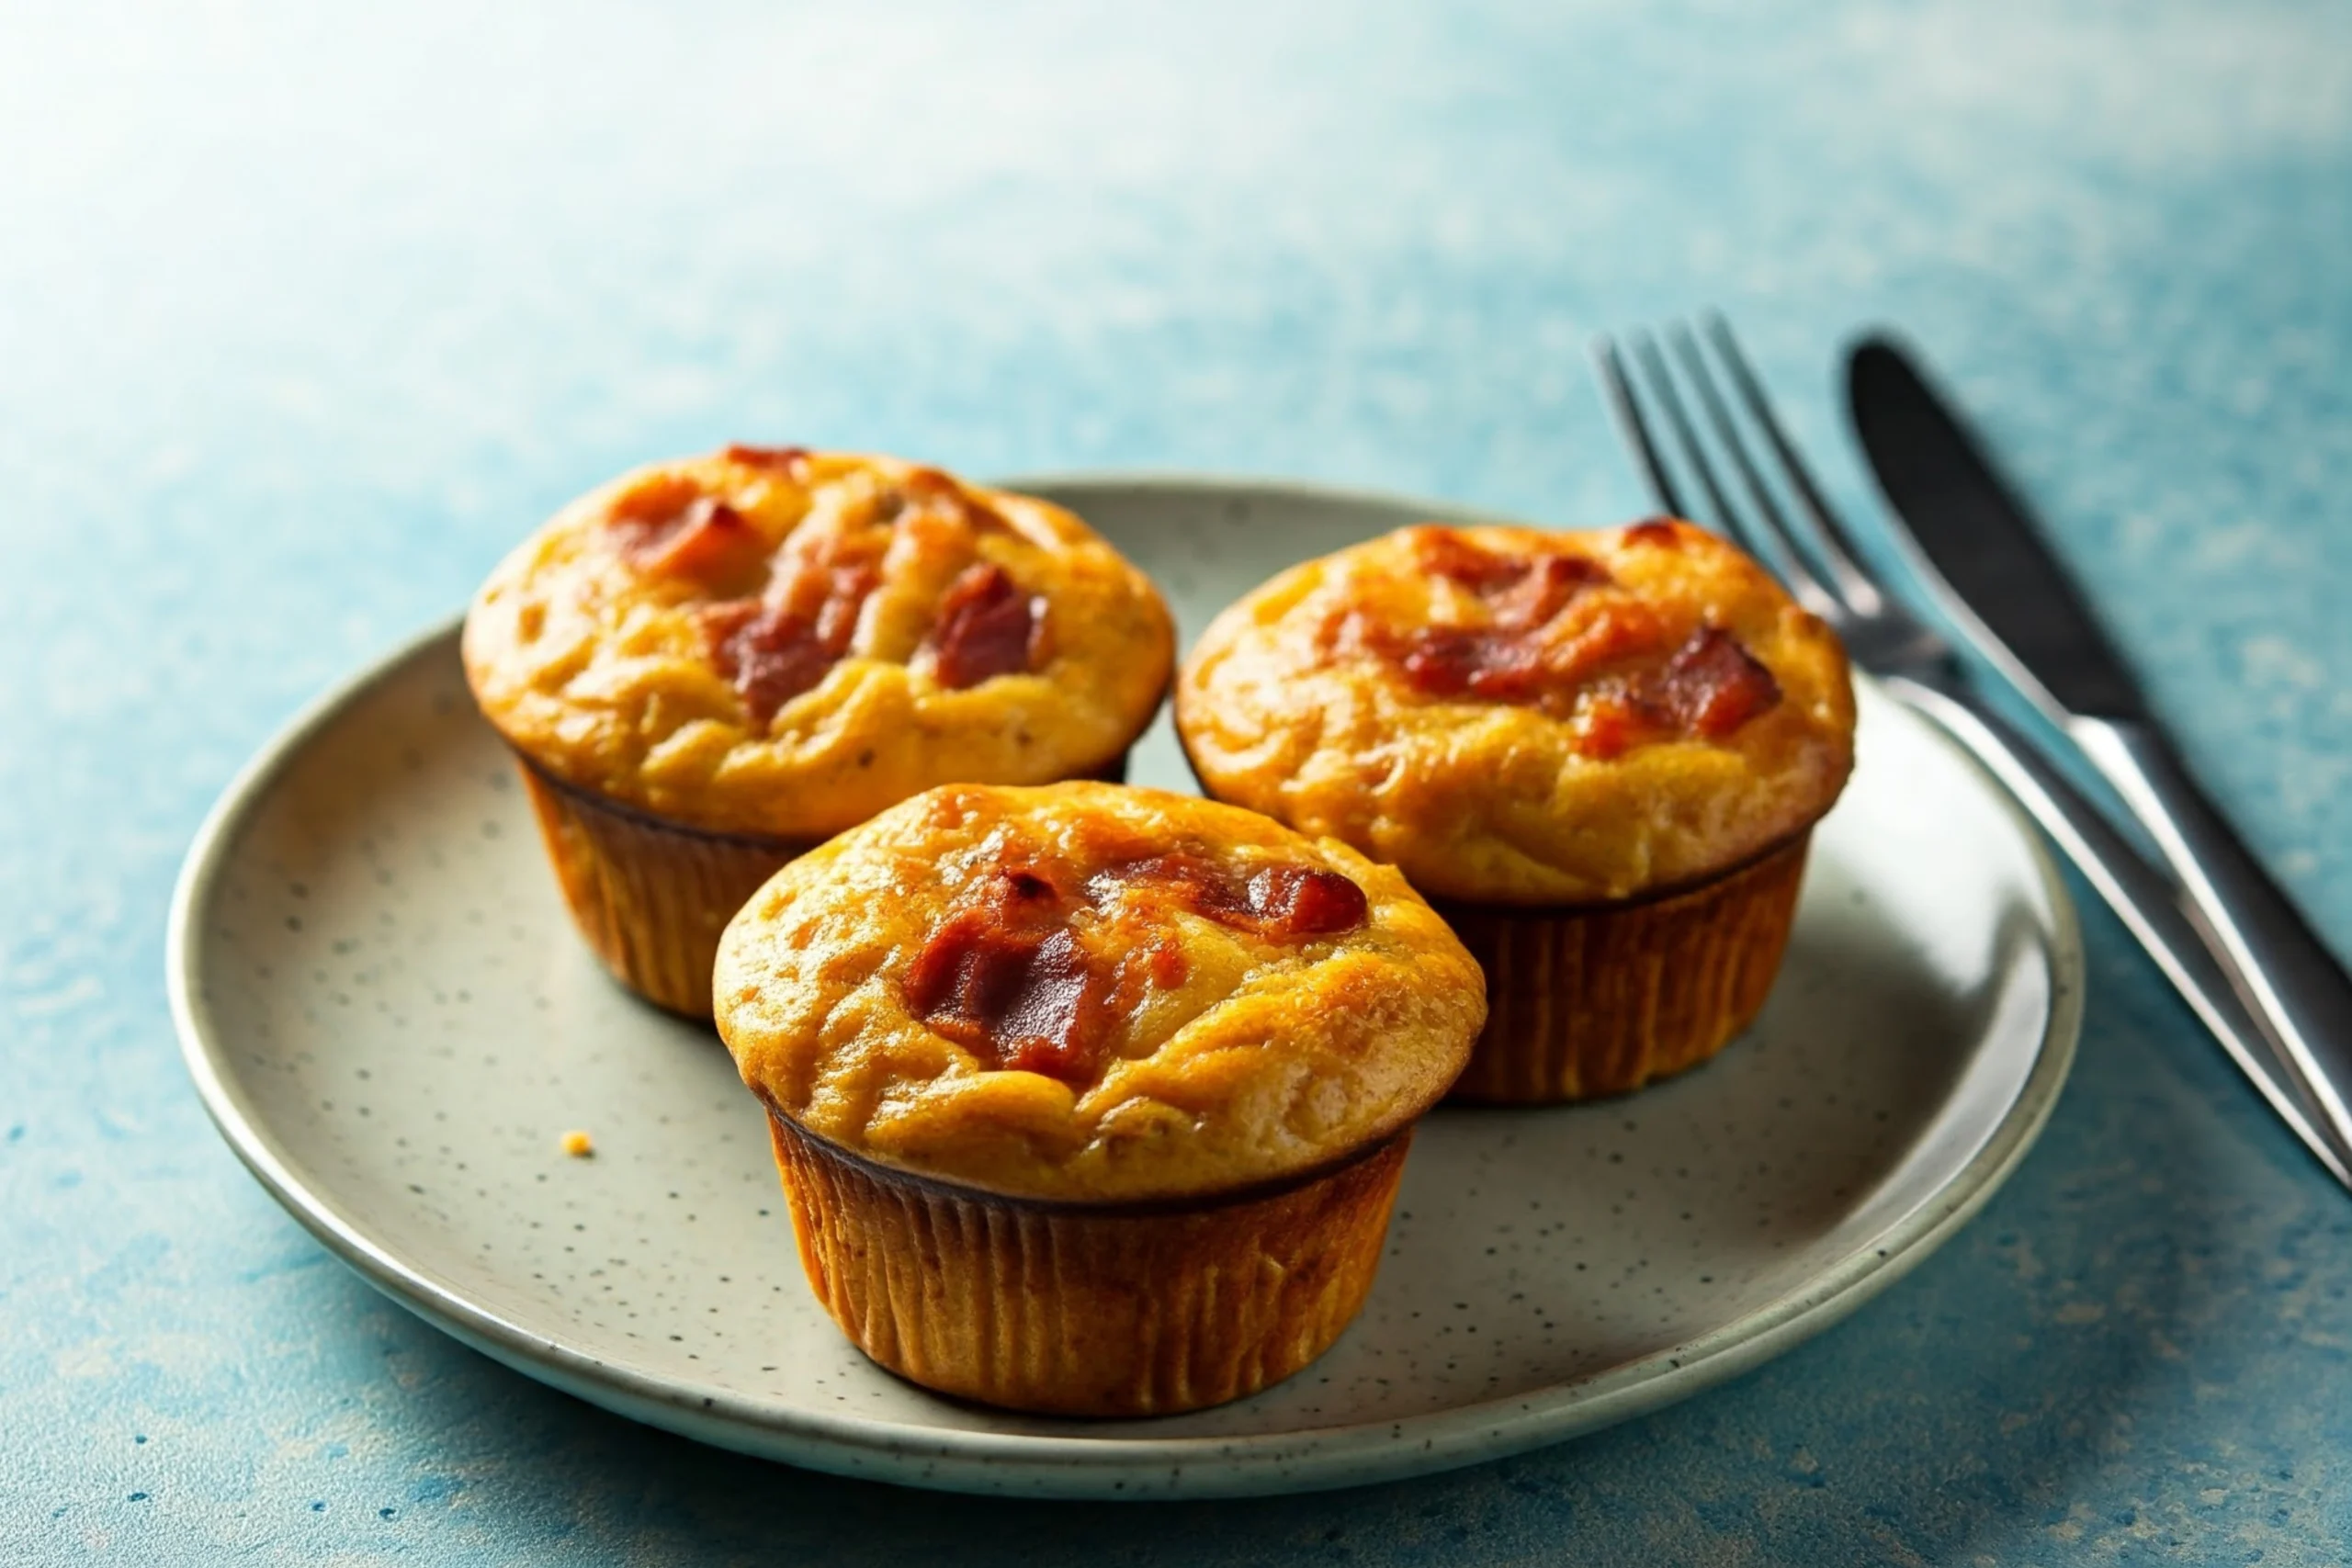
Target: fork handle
x: 2149, y: 905
x: 2285, y: 973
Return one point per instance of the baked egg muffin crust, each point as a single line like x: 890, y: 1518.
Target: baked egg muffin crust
x: 1085, y: 992
x: 712, y: 664
x: 1171, y: 1045
x: 782, y: 643
x: 1602, y: 752
x: 1515, y: 716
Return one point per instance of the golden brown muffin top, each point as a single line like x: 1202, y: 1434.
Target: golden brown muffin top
x: 1087, y: 992
x: 769, y: 641
x: 1524, y: 717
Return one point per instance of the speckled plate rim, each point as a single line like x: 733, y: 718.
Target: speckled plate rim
x: 1081, y: 1466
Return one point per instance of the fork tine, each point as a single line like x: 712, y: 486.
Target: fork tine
x: 1829, y: 541
x: 1632, y: 428
x: 1764, y: 529
x: 1756, y: 538
x: 1663, y: 393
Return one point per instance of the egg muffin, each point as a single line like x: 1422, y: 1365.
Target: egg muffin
x: 1601, y: 753
x: 1092, y: 1100
x: 708, y: 666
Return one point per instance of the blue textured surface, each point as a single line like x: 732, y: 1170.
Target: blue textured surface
x: 305, y: 321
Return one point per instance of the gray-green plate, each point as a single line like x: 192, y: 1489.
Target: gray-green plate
x: 390, y: 1018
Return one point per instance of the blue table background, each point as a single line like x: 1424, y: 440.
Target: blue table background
x: 304, y: 319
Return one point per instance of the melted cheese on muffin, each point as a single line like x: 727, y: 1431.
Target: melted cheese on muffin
x: 1524, y: 717
x: 1088, y: 992
x: 773, y: 641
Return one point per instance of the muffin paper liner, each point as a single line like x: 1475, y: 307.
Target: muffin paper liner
x: 650, y: 896
x: 1087, y: 1309
x: 1599, y: 1000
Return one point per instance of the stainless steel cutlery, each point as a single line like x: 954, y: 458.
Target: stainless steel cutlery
x: 1704, y: 434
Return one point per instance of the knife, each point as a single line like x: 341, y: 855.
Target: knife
x: 1976, y: 549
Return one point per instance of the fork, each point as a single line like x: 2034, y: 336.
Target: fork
x: 1802, y: 542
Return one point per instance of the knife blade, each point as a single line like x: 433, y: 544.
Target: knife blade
x: 1977, y: 548
x: 1978, y: 536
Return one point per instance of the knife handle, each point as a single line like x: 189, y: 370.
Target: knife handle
x: 2147, y: 902
x: 2284, y: 972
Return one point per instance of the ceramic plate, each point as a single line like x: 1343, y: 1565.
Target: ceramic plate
x: 389, y: 1016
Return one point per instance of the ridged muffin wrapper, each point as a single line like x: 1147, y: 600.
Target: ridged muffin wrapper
x: 1598, y: 1000
x: 650, y: 896
x: 1078, y: 1309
